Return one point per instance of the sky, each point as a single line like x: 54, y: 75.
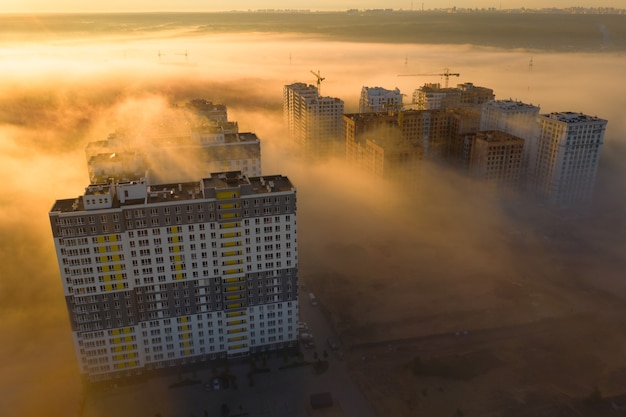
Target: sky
x: 32, y: 6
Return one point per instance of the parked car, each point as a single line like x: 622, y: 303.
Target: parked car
x: 306, y: 336
x: 303, y: 327
x: 312, y: 299
x: 217, y: 384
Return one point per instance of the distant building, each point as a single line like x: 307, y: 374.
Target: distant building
x: 514, y: 117
x: 376, y: 99
x: 375, y: 144
x: 313, y: 122
x: 496, y: 159
x: 201, y: 141
x: 565, y: 158
x: 431, y: 96
x: 170, y: 274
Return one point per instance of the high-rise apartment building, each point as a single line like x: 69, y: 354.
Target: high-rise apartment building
x: 565, y: 159
x: 197, y: 141
x: 161, y: 275
x: 375, y: 99
x: 514, y: 117
x: 496, y: 159
x: 431, y: 96
x: 375, y: 144
x: 313, y: 122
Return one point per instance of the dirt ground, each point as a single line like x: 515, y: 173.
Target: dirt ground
x: 536, y: 342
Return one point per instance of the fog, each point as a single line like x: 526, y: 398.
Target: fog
x: 438, y: 260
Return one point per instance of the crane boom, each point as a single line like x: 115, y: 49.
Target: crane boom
x: 446, y: 74
x: 319, y: 79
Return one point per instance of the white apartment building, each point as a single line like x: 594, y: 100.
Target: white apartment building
x: 376, y: 99
x: 515, y: 118
x: 162, y: 275
x: 314, y: 123
x: 200, y: 142
x: 564, y: 164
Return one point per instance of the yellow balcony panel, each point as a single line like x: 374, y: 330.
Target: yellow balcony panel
x: 227, y: 206
x: 174, y: 229
x: 237, y: 338
x: 119, y: 285
x: 104, y: 259
x: 127, y: 330
x: 183, y: 319
x: 187, y: 352
x: 226, y: 195
x: 113, y: 238
x: 235, y: 314
x: 107, y: 278
x: 117, y: 340
x: 231, y: 280
x: 128, y: 339
x: 100, y: 239
x: 115, y: 331
x: 119, y: 357
x: 118, y: 348
x: 116, y: 258
x: 185, y: 327
x: 178, y: 267
x: 185, y: 335
x: 227, y: 216
x: 237, y: 330
x: 236, y: 322
x: 131, y: 355
x: 119, y: 277
x: 229, y: 235
x: 237, y: 347
x: 175, y: 239
x: 179, y: 276
x: 108, y: 287
x: 231, y: 262
x: 235, y: 297
x: 105, y: 268
x: 178, y: 258
x: 235, y: 288
x: 133, y: 363
x: 177, y: 248
x: 185, y: 344
x: 235, y: 305
x: 117, y: 267
x: 114, y: 248
x: 102, y: 249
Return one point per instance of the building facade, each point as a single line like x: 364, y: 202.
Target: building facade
x: 162, y: 275
x: 314, y: 123
x: 201, y: 140
x: 514, y: 117
x: 431, y: 96
x: 376, y: 99
x: 564, y: 163
x: 496, y: 160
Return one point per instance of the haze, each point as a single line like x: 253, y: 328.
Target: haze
x: 388, y: 264
x: 39, y: 6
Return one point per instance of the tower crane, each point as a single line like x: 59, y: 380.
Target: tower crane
x: 446, y: 74
x: 319, y: 80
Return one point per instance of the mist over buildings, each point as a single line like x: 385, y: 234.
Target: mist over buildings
x: 448, y: 257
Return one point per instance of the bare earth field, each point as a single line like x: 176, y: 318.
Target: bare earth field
x: 463, y: 343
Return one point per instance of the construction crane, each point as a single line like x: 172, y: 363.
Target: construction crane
x: 319, y: 80
x: 447, y: 74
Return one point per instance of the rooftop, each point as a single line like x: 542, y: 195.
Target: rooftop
x: 572, y: 117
